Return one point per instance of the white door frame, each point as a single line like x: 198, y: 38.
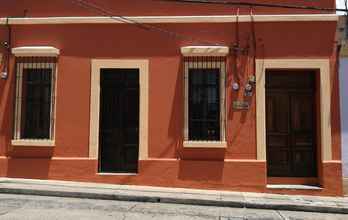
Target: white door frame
x: 97, y: 65
x: 323, y: 65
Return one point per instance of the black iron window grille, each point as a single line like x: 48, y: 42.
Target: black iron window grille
x: 35, y: 98
x: 205, y: 98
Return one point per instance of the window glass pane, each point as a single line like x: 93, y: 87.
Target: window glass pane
x: 204, y: 104
x: 36, y: 103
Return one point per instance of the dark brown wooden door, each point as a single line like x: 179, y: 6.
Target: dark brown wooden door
x: 119, y: 120
x: 290, y: 124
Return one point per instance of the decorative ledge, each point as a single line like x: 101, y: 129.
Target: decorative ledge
x: 170, y: 19
x: 33, y: 143
x: 205, y: 144
x: 204, y: 51
x: 37, y: 51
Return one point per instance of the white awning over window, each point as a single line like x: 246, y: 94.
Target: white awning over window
x: 210, y: 51
x: 35, y: 51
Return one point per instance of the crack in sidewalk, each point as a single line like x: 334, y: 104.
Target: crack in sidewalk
x: 281, y: 216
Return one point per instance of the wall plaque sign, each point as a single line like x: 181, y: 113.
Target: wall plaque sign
x: 241, y: 105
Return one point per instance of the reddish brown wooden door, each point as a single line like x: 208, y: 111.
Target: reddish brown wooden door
x: 290, y: 124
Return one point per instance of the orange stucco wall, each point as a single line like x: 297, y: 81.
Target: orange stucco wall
x: 218, y: 175
x: 81, y: 43
x: 78, y: 45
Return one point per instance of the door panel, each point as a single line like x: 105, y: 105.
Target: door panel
x: 302, y: 112
x: 278, y: 152
x: 290, y: 124
x: 278, y: 109
x: 302, y: 135
x: 119, y: 120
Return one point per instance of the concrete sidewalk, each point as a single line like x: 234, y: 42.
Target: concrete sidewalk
x: 174, y: 195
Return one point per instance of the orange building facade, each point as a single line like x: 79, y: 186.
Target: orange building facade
x: 174, y: 94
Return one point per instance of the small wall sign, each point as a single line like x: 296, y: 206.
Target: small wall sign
x: 241, y: 105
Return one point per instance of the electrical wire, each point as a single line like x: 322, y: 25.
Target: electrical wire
x: 254, y: 44
x: 7, y: 46
x: 249, y: 4
x: 236, y: 48
x: 237, y: 29
x: 149, y: 27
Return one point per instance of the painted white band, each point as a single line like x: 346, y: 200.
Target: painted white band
x: 204, y: 51
x: 170, y: 19
x: 37, y: 51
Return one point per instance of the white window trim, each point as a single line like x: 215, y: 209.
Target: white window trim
x: 97, y: 65
x: 35, y: 51
x: 193, y: 51
x: 17, y: 140
x: 33, y: 143
x: 206, y: 144
x: 323, y: 65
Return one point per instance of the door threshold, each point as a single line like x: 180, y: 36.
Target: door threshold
x: 307, y: 181
x: 293, y: 186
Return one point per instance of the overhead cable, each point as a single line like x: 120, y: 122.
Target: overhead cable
x: 149, y: 27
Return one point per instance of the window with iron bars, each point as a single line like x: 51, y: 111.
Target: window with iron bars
x: 204, y: 98
x: 35, y: 98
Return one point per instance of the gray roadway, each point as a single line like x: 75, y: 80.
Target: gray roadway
x: 42, y: 207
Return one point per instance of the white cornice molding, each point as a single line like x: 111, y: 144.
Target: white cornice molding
x: 37, y: 51
x: 204, y: 51
x: 170, y: 19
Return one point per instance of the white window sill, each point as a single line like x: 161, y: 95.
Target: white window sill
x: 205, y: 144
x: 33, y: 143
x: 117, y: 174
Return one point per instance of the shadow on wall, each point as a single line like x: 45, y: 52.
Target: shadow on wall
x: 237, y: 117
x: 6, y: 97
x: 344, y: 112
x: 174, y: 131
x: 176, y: 124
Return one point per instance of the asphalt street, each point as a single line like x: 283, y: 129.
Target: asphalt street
x: 41, y: 207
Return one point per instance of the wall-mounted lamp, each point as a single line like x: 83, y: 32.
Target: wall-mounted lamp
x: 235, y: 86
x: 4, y: 72
x: 252, y: 79
x: 248, y: 87
x: 6, y: 44
x: 3, y: 75
x: 248, y: 90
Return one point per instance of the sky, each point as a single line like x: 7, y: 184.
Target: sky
x: 339, y: 4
